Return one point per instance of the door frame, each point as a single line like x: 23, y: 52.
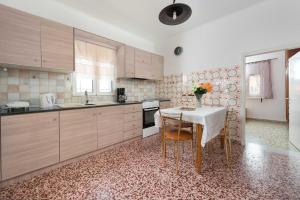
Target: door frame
x: 243, y: 81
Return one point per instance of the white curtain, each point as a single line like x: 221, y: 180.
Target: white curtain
x: 95, y: 63
x: 258, y: 80
x: 93, y: 60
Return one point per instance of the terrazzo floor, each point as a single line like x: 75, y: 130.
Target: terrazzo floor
x: 272, y: 134
x: 135, y: 171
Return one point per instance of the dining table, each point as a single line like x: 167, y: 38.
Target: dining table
x: 209, y: 121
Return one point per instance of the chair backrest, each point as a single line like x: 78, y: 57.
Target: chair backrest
x: 227, y: 118
x: 170, y: 121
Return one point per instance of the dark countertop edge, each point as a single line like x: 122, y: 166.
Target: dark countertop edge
x: 63, y: 109
x: 162, y: 100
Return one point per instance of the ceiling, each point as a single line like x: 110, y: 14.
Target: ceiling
x: 140, y: 17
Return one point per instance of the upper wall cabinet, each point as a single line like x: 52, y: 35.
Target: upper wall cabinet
x: 20, y: 40
x: 57, y: 46
x: 157, y: 67
x: 142, y: 64
x: 137, y: 63
x: 34, y: 42
x: 125, y: 66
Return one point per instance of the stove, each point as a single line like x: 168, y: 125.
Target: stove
x: 150, y: 107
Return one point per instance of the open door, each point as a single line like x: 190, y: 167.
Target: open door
x: 294, y: 100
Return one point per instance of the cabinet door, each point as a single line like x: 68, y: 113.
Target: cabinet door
x: 29, y: 142
x: 57, y: 46
x: 125, y: 66
x: 129, y: 62
x: 157, y: 67
x: 110, y: 125
x: 142, y: 64
x: 78, y: 133
x: 20, y: 40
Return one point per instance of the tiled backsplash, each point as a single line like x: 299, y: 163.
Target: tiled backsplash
x: 226, y: 91
x: 27, y: 85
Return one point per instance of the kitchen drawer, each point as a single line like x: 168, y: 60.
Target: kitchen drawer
x: 110, y: 139
x: 132, y: 125
x: 133, y: 108
x: 133, y: 116
x: 110, y: 110
x: 132, y: 133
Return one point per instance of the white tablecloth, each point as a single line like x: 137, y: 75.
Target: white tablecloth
x: 212, y: 119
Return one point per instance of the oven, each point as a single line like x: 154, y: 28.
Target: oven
x: 149, y: 109
x: 148, y: 117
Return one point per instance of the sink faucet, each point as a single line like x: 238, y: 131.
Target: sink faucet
x: 86, y: 97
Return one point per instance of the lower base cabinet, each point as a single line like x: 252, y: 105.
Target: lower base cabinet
x: 29, y: 142
x: 78, y: 133
x: 110, y: 125
x: 34, y: 141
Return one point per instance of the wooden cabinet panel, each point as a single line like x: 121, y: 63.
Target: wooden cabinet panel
x: 78, y: 133
x: 126, y: 61
x: 157, y: 67
x: 165, y: 104
x: 133, y: 108
x: 142, y: 64
x: 133, y: 125
x: 132, y: 133
x: 29, y: 142
x: 133, y: 116
x: 110, y: 125
x: 129, y: 62
x: 20, y: 38
x: 57, y: 46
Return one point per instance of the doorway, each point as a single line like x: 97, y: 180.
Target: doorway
x: 267, y: 99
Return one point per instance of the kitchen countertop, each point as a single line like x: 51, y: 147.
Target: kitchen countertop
x: 6, y: 112
x: 36, y: 109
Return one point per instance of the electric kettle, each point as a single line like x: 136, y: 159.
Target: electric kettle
x: 47, y: 100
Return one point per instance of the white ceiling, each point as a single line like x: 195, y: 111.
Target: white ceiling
x: 140, y: 17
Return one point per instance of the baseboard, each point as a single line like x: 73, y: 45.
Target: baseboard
x: 29, y: 175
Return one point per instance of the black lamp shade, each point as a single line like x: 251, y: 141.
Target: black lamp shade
x: 183, y: 13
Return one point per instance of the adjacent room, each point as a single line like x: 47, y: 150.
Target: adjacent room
x: 140, y: 99
x: 267, y: 99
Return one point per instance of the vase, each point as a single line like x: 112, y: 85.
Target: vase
x: 199, y: 98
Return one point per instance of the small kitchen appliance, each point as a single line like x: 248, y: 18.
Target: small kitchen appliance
x: 47, y: 100
x: 121, y: 96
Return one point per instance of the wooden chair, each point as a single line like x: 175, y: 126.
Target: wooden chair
x: 225, y: 135
x: 172, y: 131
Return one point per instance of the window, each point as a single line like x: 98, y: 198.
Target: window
x: 254, y: 85
x: 94, y: 69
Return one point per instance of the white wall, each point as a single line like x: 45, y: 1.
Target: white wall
x: 269, y: 25
x: 270, y: 109
x: 69, y: 16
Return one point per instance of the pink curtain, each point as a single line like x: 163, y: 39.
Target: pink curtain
x: 261, y: 69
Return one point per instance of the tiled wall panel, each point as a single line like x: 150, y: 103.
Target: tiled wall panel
x: 226, y: 91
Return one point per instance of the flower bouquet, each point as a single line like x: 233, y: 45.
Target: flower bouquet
x: 201, y: 89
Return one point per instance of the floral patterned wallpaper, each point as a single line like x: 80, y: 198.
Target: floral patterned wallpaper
x: 226, y: 92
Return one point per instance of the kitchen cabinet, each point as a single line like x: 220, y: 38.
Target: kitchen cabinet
x: 142, y: 64
x: 29, y: 142
x: 165, y: 104
x: 110, y: 125
x: 126, y: 61
x: 78, y: 132
x: 157, y: 64
x: 133, y: 121
x: 20, y: 40
x: 57, y: 48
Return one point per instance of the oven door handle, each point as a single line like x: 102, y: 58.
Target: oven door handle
x: 150, y: 109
